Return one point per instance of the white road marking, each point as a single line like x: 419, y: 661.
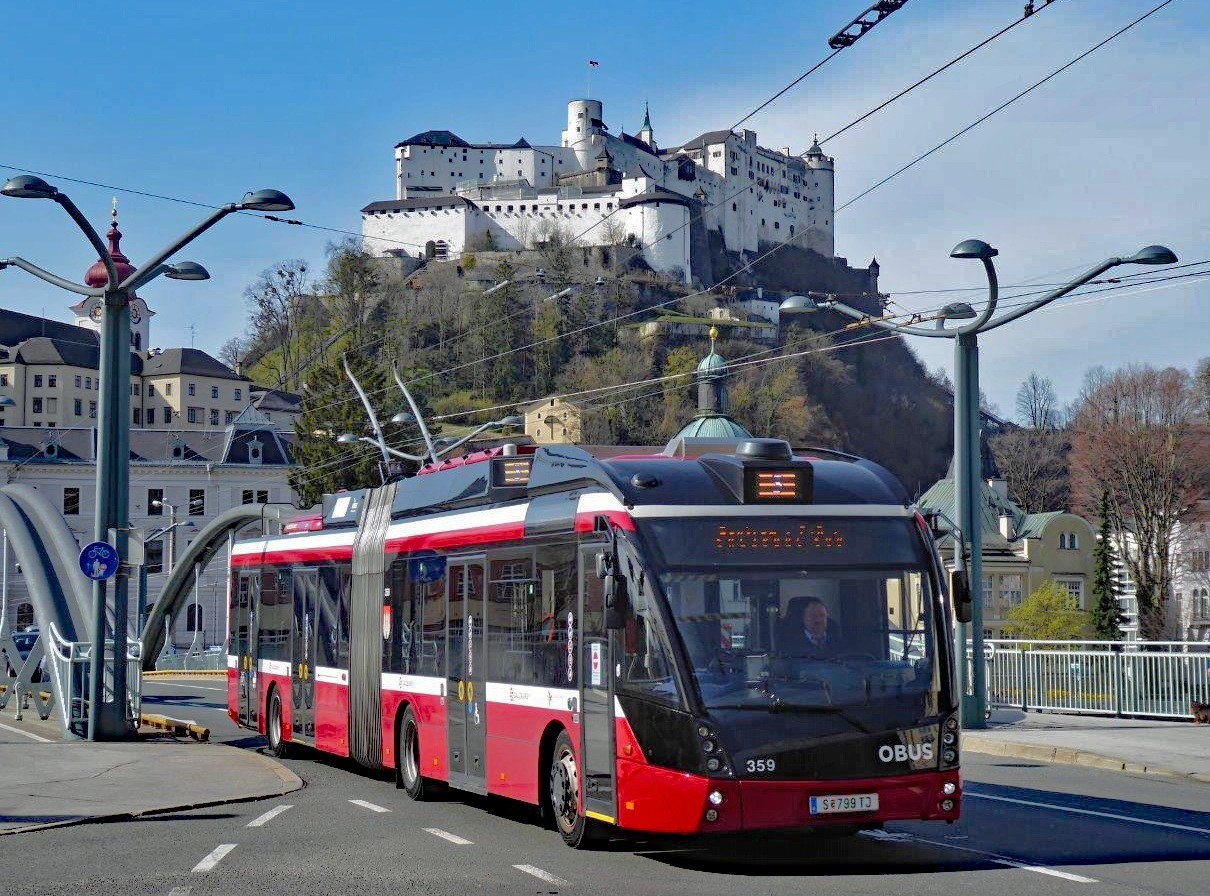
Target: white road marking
x: 540, y: 874
x: 214, y: 858
x: 180, y: 891
x: 446, y: 835
x: 41, y: 740
x: 1011, y: 863
x: 190, y: 687
x: 888, y: 836
x: 1074, y: 810
x: 371, y: 806
x: 268, y: 816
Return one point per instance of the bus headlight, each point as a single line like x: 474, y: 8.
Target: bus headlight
x: 716, y: 798
x: 948, y: 788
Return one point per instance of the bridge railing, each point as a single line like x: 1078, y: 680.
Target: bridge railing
x: 1160, y: 679
x: 69, y: 667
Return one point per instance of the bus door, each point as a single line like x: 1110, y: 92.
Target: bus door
x: 466, y: 674
x: 302, y: 719
x: 243, y: 629
x: 596, y: 693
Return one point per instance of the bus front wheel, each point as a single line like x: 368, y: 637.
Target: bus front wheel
x: 277, y: 744
x: 407, y: 759
x: 564, y: 794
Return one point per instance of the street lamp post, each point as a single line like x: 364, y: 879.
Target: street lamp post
x: 968, y: 467
x: 141, y: 605
x: 108, y: 720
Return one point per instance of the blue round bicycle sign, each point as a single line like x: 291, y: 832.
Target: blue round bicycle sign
x: 99, y: 560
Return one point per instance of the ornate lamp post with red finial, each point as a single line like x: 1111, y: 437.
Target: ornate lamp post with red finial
x: 114, y: 279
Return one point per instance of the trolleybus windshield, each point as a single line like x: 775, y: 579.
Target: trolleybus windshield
x: 826, y: 616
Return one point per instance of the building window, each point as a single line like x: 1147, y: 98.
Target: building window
x: 238, y: 393
x: 151, y: 416
x: 79, y: 381
x: 154, y: 556
x: 214, y: 416
x: 87, y: 382
x: 78, y: 407
x: 71, y: 502
x: 92, y: 410
x: 194, y: 415
x: 1075, y: 588
x: 37, y: 406
x: 255, y: 496
x: 37, y: 381
x: 168, y: 389
x: 1011, y: 591
x: 52, y: 406
x: 193, y: 618
x: 137, y: 418
x: 52, y: 381
x: 214, y: 391
x: 151, y: 390
x: 197, y: 502
x: 193, y: 388
x: 3, y: 379
x: 1062, y: 541
x: 229, y: 418
x: 155, y: 499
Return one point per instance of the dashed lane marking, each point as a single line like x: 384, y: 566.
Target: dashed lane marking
x: 189, y: 687
x: 180, y: 891
x: 262, y: 820
x: 1110, y: 815
x: 371, y: 806
x: 540, y: 874
x: 208, y: 863
x: 1008, y: 862
x: 446, y: 835
x: 41, y: 740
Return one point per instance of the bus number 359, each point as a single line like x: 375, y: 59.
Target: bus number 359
x: 762, y: 765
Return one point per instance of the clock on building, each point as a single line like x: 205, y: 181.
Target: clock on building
x: 95, y: 312
x: 135, y: 314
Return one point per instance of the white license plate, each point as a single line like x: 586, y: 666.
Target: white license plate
x: 847, y: 802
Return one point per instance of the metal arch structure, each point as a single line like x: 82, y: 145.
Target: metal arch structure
x: 205, y: 546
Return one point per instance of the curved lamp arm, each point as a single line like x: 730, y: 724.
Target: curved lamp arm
x: 38, y: 272
x: 153, y: 265
x: 993, y: 296
x: 833, y: 305
x: 89, y: 231
x: 1056, y: 294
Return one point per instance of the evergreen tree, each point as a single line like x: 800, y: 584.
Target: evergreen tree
x: 1107, y: 616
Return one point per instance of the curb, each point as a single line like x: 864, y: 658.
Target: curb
x: 290, y: 783
x: 976, y: 743
x: 186, y: 673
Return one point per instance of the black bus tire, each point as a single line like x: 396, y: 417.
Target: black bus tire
x: 407, y: 759
x: 273, y: 726
x: 564, y: 795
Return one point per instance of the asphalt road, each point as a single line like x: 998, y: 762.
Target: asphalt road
x: 1027, y: 828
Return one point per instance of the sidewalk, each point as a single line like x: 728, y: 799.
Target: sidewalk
x: 1170, y: 748
x: 49, y: 782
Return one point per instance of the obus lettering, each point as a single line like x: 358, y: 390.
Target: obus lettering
x: 902, y: 753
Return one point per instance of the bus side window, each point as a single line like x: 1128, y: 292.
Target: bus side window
x: 398, y: 646
x: 556, y: 574
x: 344, y: 572
x: 428, y: 640
x: 511, y: 606
x: 276, y: 617
x: 328, y: 611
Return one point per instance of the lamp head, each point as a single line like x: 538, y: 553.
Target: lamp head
x: 6, y: 401
x: 957, y: 311
x: 600, y: 281
x: 403, y: 417
x: 799, y: 305
x: 186, y: 270
x: 157, y: 503
x: 974, y: 249
x: 347, y: 438
x: 267, y: 201
x: 26, y: 186
x: 1152, y: 255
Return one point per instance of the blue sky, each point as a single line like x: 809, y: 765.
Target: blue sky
x: 205, y: 101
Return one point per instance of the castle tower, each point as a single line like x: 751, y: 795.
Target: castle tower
x: 874, y: 269
x: 89, y: 310
x: 821, y: 171
x: 584, y: 122
x: 646, y: 134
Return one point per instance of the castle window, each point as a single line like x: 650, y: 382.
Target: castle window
x: 4, y: 379
x: 777, y: 225
x: 733, y: 206
x: 79, y: 381
x: 78, y: 408
x: 92, y: 410
x: 37, y: 381
x: 52, y: 381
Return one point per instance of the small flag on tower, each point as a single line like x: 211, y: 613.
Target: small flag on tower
x: 592, y: 63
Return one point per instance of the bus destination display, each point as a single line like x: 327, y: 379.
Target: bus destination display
x: 513, y: 471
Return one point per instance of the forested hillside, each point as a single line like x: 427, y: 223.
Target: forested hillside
x: 471, y: 355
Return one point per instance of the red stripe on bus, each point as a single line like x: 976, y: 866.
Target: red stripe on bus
x: 587, y: 521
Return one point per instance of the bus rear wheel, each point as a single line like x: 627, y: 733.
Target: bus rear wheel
x: 407, y: 759
x: 564, y: 794
x: 277, y: 745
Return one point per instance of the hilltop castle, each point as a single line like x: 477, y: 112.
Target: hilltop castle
x: 602, y: 189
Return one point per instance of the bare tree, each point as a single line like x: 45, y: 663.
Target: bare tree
x: 1201, y: 382
x: 275, y: 305
x: 1037, y: 404
x: 1033, y: 463
x: 613, y: 232
x: 1138, y: 437
x: 351, y: 283
x: 232, y: 351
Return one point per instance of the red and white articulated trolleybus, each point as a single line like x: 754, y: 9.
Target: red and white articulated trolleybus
x: 733, y: 641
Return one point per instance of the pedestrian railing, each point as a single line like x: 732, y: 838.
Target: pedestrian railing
x: 22, y: 679
x: 1099, y: 677
x: 193, y: 661
x: 70, y: 664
